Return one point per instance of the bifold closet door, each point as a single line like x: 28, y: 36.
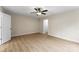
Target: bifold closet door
x: 6, y: 28
x: 0, y: 29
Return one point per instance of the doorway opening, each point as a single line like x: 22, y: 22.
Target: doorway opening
x: 45, y: 26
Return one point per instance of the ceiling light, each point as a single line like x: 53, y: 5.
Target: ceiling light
x: 38, y: 13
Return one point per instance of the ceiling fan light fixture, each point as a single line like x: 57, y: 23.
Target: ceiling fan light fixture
x: 38, y: 13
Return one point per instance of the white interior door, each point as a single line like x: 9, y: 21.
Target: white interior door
x: 6, y: 28
x: 45, y: 25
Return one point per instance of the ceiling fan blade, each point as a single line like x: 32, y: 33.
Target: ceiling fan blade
x: 44, y: 13
x: 39, y: 9
x: 44, y: 10
x: 36, y: 9
x: 33, y: 12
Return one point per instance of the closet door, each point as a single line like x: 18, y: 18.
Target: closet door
x: 0, y: 29
x: 6, y: 28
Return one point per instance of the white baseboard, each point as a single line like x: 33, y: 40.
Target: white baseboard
x: 65, y: 38
x: 24, y: 34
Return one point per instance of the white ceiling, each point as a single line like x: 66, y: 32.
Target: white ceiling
x: 25, y: 10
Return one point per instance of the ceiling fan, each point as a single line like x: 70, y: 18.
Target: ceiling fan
x: 39, y: 11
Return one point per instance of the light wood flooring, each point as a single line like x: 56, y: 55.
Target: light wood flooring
x: 38, y: 43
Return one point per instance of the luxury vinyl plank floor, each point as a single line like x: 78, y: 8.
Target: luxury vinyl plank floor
x: 38, y: 43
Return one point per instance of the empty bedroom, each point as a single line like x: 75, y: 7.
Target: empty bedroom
x: 39, y: 28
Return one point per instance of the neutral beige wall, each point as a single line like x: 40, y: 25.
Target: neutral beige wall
x: 41, y: 25
x: 65, y: 25
x: 1, y: 9
x: 24, y: 25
